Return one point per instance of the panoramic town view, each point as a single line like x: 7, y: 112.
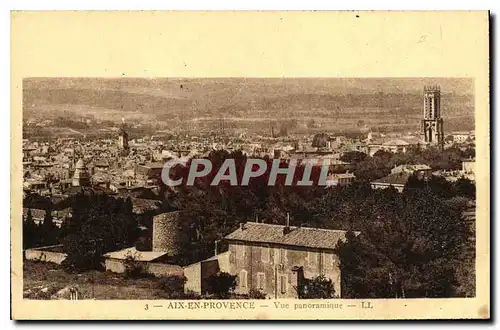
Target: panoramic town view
x: 395, y: 217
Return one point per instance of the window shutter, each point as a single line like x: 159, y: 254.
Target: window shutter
x: 283, y: 283
x: 243, y: 278
x: 261, y: 281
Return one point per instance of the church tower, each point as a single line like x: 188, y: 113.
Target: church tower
x: 432, y: 124
x: 123, y: 137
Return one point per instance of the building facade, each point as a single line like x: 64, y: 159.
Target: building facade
x: 273, y: 258
x: 432, y: 124
x: 81, y: 176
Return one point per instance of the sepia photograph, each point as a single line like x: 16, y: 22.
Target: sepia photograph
x: 394, y: 219
x: 242, y: 194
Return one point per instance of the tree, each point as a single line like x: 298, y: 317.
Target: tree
x: 129, y: 222
x: 409, y: 247
x: 221, y: 285
x: 49, y: 230
x: 372, y: 168
x: 81, y: 254
x: 469, y: 152
x: 440, y: 187
x: 320, y: 140
x: 99, y: 224
x: 30, y: 232
x: 464, y: 187
x: 318, y: 287
x: 384, y: 156
x: 353, y: 157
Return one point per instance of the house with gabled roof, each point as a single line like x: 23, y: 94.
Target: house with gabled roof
x: 273, y: 259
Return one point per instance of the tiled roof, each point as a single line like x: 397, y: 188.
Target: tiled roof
x: 394, y: 179
x: 396, y: 142
x: 63, y: 213
x: 413, y: 167
x: 298, y: 236
x: 101, y: 163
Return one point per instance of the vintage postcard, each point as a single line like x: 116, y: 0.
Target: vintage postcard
x: 250, y: 165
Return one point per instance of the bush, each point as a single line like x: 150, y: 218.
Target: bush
x: 133, y: 268
x: 221, y: 285
x: 190, y: 295
x: 173, y: 286
x: 256, y: 294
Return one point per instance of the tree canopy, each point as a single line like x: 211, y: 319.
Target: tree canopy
x: 410, y: 246
x: 99, y: 224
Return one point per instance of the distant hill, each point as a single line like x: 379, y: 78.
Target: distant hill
x: 332, y: 104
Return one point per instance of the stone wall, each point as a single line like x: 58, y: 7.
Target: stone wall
x: 157, y: 269
x: 166, y: 233
x: 198, y: 273
x: 193, y: 276
x: 46, y: 254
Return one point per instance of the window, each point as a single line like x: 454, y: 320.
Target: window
x: 277, y: 256
x: 312, y: 259
x: 328, y: 260
x: 240, y: 251
x: 282, y: 256
x: 261, y: 281
x: 243, y: 279
x: 283, y: 283
x: 265, y: 254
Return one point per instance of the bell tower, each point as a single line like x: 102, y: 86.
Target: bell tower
x: 432, y: 124
x: 123, y: 137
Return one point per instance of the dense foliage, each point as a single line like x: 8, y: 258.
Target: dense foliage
x: 221, y: 285
x: 318, y: 287
x: 173, y: 286
x: 99, y: 224
x: 43, y: 234
x: 410, y: 246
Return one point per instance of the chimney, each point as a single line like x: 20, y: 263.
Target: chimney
x: 242, y: 226
x: 216, y: 247
x: 286, y: 229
